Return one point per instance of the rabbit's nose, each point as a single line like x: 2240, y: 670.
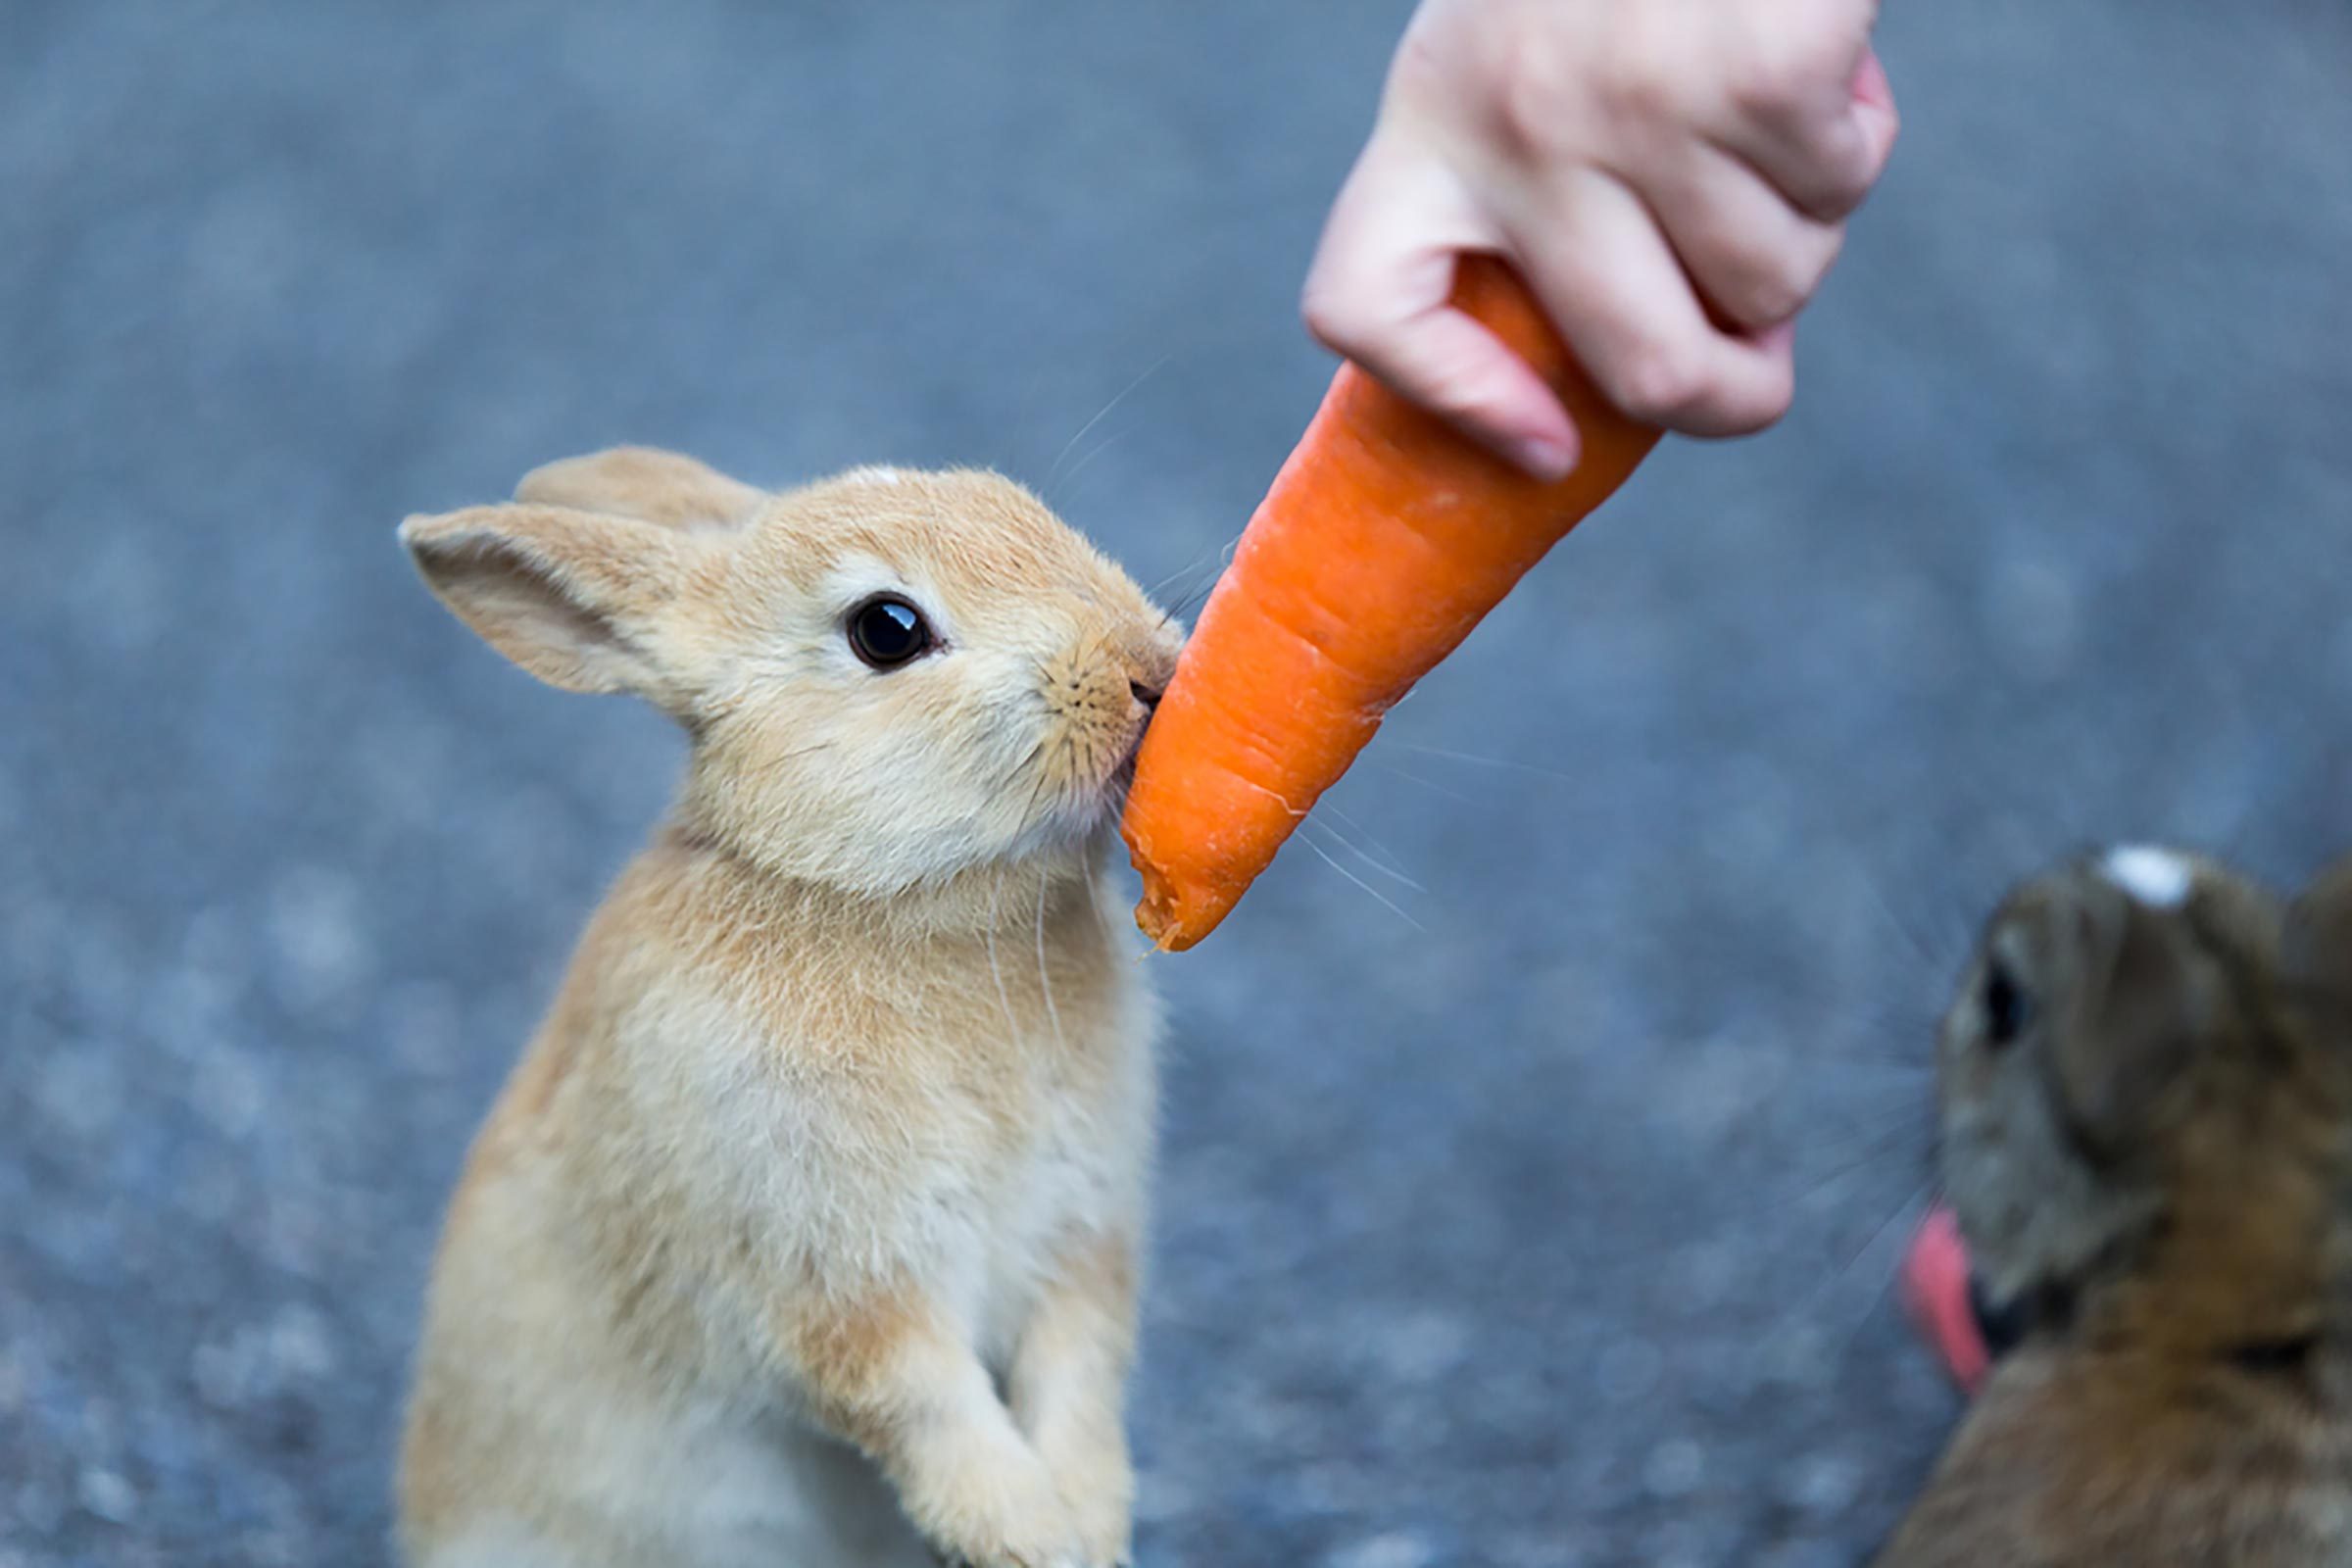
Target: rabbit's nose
x: 1148, y: 695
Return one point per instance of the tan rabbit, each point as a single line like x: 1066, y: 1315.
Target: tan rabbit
x: 816, y: 1205
x: 2146, y: 1089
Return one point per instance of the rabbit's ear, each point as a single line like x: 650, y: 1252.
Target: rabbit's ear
x: 640, y: 482
x: 576, y: 598
x: 2147, y: 997
x: 2319, y: 949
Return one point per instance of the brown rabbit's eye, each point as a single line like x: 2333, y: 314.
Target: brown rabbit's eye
x: 887, y: 632
x: 2005, y: 1007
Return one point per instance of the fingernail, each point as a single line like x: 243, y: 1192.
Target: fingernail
x: 1544, y: 458
x: 1869, y: 83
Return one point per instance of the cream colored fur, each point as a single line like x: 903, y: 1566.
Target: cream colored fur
x: 807, y: 1231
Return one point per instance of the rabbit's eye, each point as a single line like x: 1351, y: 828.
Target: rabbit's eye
x: 887, y: 632
x: 2005, y: 1007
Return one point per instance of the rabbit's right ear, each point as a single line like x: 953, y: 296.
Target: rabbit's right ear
x: 654, y: 486
x: 576, y: 598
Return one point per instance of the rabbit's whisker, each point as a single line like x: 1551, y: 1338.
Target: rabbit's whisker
x: 996, y: 900
x: 1433, y: 788
x: 1385, y: 867
x: 1196, y: 565
x: 1377, y: 895
x: 1044, y: 978
x: 1118, y: 398
x: 1511, y: 763
x: 1921, y: 1196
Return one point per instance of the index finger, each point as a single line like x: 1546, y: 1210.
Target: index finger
x: 1379, y: 293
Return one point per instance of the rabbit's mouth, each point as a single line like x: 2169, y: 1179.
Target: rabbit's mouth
x: 1121, y: 777
x: 1116, y: 787
x: 1087, y: 769
x: 1111, y: 786
x: 1088, y: 803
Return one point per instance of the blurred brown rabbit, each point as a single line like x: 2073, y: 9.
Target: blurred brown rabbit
x: 816, y: 1207
x: 2146, y: 1089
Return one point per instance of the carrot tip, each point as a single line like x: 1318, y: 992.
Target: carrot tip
x: 1157, y: 914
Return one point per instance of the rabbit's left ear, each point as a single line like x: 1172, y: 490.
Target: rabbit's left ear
x: 2148, y: 995
x: 578, y: 599
x: 648, y: 485
x: 2319, y: 931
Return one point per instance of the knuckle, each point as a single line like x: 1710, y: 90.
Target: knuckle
x: 1762, y: 302
x: 1331, y: 315
x: 1640, y: 88
x: 1816, y: 269
x: 1759, y: 403
x: 1837, y: 175
x: 1846, y: 182
x: 1775, y: 298
x: 1774, y: 81
x: 1533, y: 93
x: 1421, y: 66
x: 1756, y: 289
x: 1766, y: 287
x: 1646, y: 63
x: 1663, y: 385
x: 1776, y: 391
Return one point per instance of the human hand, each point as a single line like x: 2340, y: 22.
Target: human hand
x: 1671, y: 178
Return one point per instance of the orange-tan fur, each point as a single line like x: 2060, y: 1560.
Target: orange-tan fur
x: 2183, y: 1393
x: 841, y: 1121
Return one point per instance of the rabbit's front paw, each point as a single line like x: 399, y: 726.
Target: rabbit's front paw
x: 998, y: 1510
x: 1097, y: 1482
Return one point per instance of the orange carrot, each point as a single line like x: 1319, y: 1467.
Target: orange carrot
x: 1385, y: 537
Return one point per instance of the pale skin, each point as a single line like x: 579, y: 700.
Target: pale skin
x: 1672, y: 178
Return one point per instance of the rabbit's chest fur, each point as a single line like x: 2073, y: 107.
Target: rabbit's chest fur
x: 943, y: 1106
x: 731, y: 1120
x: 918, y: 1141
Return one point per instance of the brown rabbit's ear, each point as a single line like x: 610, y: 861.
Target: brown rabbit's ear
x: 573, y: 597
x: 640, y: 482
x: 2148, y: 998
x: 2319, y: 943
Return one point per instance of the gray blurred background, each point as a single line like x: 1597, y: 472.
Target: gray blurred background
x: 1544, y: 1220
